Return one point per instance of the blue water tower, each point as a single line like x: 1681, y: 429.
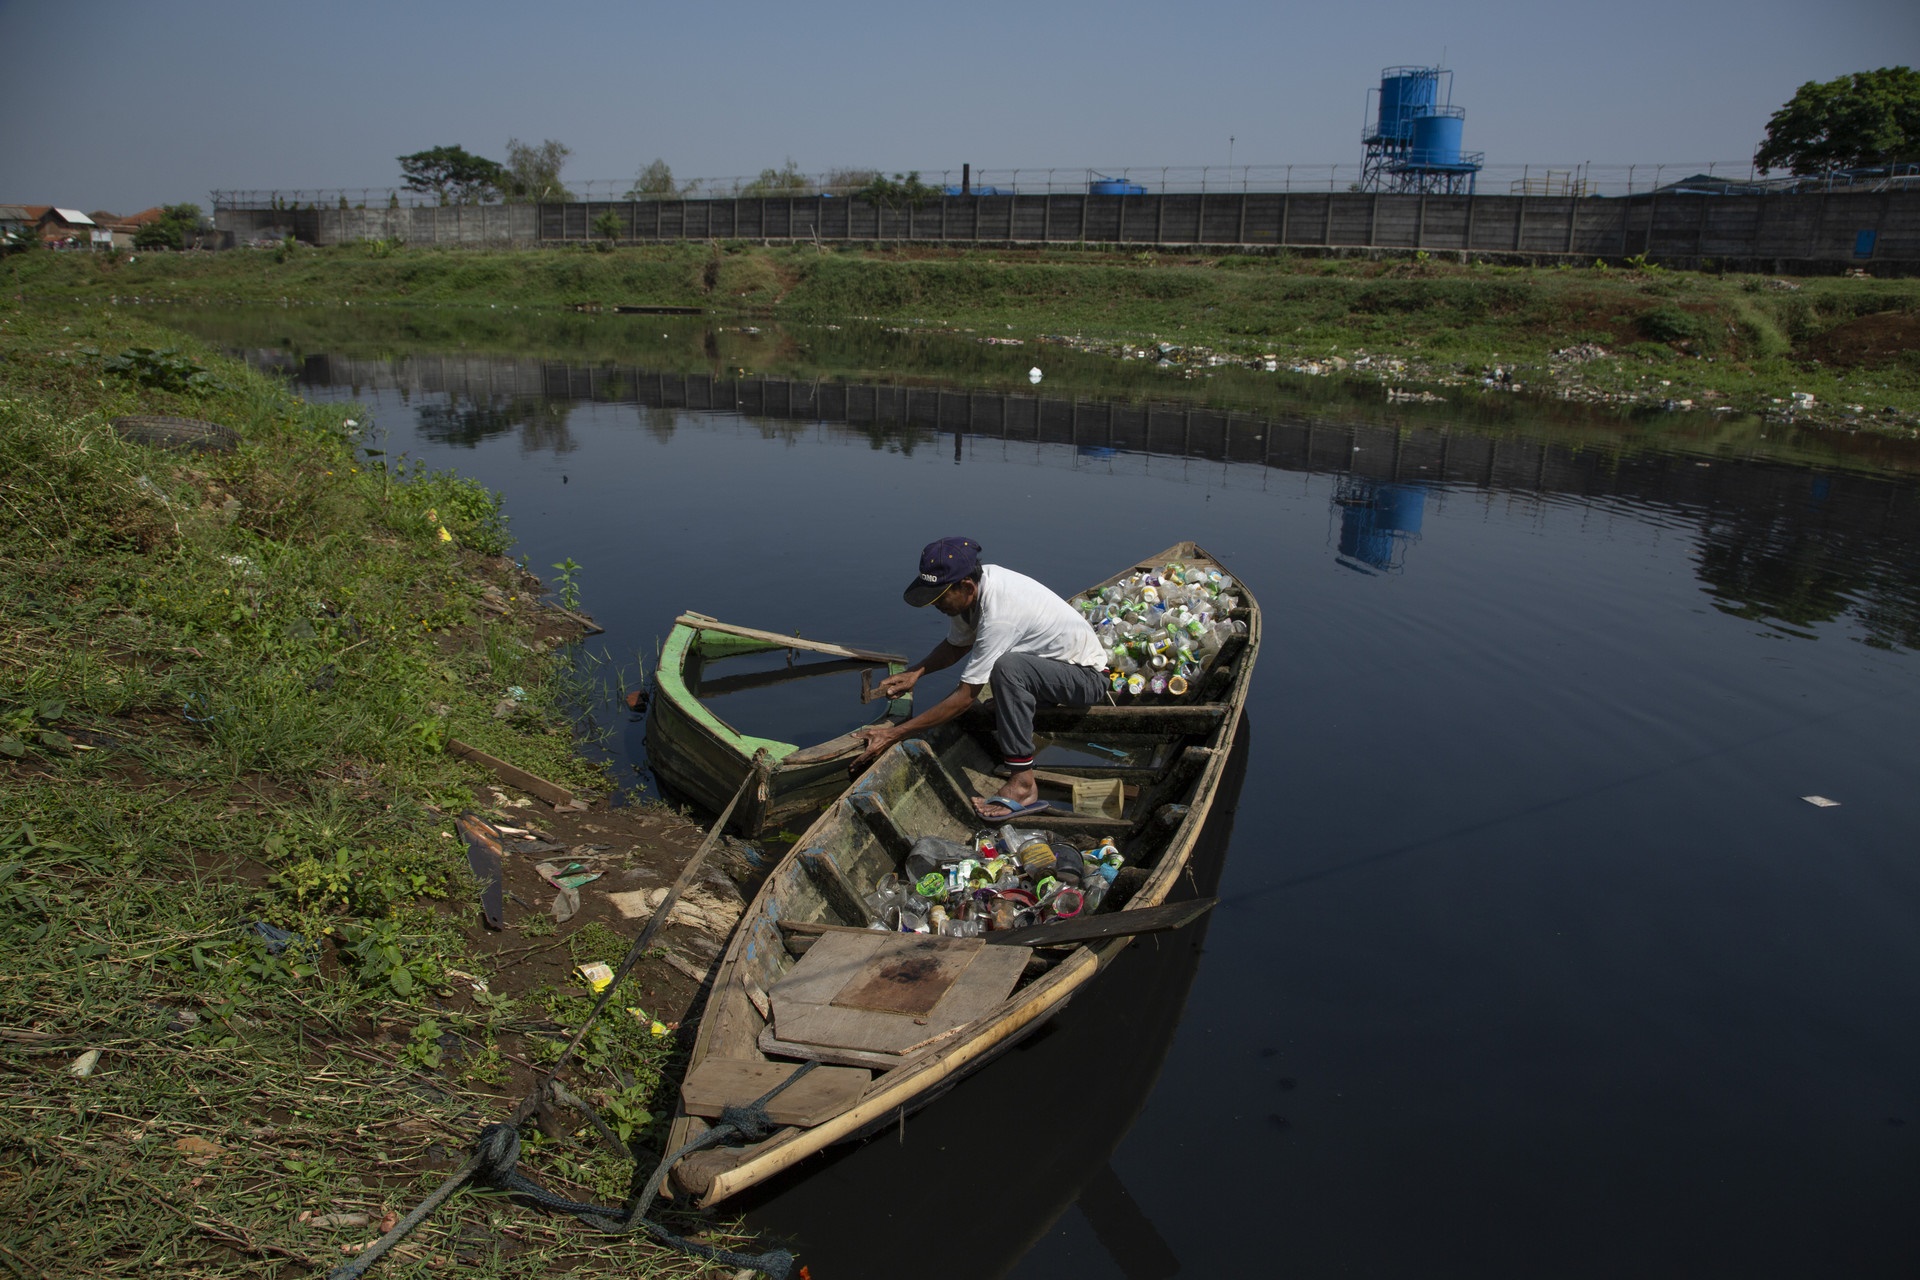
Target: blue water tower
x: 1412, y: 135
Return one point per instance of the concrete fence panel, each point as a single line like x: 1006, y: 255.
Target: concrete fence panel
x: 1822, y: 228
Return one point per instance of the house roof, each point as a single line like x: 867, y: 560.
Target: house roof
x: 34, y: 212
x: 17, y: 213
x: 72, y: 217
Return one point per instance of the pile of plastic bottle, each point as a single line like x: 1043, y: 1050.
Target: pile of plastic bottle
x: 1161, y: 629
x: 1010, y: 879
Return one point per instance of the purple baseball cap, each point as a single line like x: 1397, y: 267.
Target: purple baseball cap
x: 943, y: 563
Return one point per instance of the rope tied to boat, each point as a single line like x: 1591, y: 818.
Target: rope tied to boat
x: 496, y: 1154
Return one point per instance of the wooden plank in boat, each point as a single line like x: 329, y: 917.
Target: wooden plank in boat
x: 1113, y: 924
x: 1173, y: 717
x: 704, y: 623
x: 774, y: 1046
x: 906, y: 976
x: 804, y: 1002
x: 734, y: 1082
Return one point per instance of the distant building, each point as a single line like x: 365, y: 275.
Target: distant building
x: 66, y: 228
x: 122, y: 230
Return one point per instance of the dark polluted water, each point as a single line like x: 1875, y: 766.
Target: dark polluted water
x: 1532, y: 957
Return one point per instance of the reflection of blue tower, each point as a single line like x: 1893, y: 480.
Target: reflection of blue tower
x: 1377, y: 521
x: 1412, y: 135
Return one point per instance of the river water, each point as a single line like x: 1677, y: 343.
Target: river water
x: 1532, y: 955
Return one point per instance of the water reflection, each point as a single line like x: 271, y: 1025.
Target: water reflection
x: 1377, y: 522
x: 1779, y: 542
x: 541, y: 423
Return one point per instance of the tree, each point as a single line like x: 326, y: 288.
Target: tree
x: 608, y: 226
x: 785, y: 181
x: 901, y: 189
x: 533, y: 173
x: 1867, y: 119
x: 655, y: 182
x: 171, y: 230
x: 453, y: 174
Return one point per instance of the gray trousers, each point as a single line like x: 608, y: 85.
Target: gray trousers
x: 1021, y: 683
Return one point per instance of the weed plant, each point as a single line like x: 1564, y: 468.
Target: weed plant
x: 226, y: 819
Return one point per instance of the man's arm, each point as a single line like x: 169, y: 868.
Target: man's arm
x: 881, y: 736
x: 943, y: 655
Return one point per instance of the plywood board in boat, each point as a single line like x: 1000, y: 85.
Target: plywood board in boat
x: 906, y: 976
x: 964, y: 979
x: 735, y: 1082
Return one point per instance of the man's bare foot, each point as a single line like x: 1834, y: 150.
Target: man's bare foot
x: 1021, y: 791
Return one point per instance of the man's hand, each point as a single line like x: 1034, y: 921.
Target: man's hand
x: 878, y: 738
x: 895, y: 685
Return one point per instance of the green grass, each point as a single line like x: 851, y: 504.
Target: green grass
x: 1669, y: 334
x: 224, y: 684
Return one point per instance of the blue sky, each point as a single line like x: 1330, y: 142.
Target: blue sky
x: 116, y: 105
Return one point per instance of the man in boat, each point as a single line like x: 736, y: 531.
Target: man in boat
x: 1017, y: 637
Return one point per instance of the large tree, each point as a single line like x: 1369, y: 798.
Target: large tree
x: 533, y: 173
x: 1867, y: 119
x: 453, y: 174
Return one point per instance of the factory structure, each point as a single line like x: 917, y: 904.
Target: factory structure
x: 1412, y: 135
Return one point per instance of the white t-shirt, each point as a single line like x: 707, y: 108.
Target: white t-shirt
x: 1015, y: 614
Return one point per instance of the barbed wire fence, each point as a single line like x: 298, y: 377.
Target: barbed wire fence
x: 1572, y: 179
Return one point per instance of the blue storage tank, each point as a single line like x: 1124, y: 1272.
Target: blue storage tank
x: 1436, y: 141
x: 1404, y: 95
x: 1114, y: 187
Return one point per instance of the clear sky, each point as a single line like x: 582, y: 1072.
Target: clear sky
x: 118, y: 105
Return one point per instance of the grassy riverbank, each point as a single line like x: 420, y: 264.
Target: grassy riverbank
x: 225, y: 687
x: 1605, y: 334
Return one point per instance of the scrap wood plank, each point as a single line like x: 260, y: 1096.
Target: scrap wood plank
x: 808, y: 1005
x: 704, y: 623
x: 906, y: 976
x: 731, y: 1082
x: 557, y: 796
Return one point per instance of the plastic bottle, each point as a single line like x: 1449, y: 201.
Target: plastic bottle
x: 1094, y: 892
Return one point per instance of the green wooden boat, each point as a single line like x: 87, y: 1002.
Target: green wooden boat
x: 891, y: 1020
x: 701, y: 757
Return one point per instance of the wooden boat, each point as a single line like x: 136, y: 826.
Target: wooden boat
x: 703, y: 758
x: 893, y: 1020
x: 1102, y: 1055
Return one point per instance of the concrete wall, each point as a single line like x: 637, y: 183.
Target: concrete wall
x: 1753, y: 231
